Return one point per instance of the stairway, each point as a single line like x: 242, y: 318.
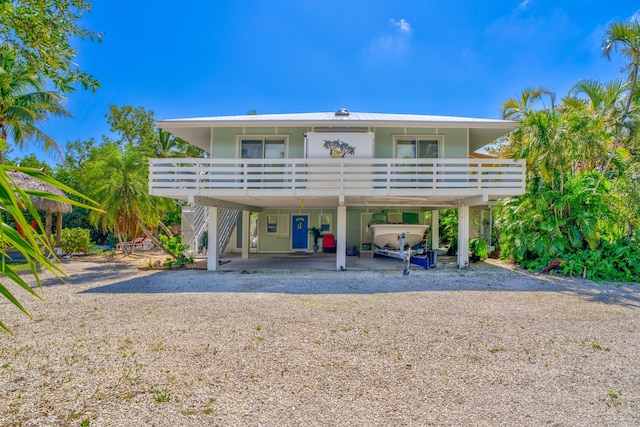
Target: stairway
x: 227, y: 221
x: 195, y: 225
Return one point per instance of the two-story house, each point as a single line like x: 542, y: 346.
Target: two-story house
x: 331, y: 171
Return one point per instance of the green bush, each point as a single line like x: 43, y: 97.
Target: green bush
x: 75, y: 240
x: 618, y: 261
x: 480, y: 247
x: 174, y: 245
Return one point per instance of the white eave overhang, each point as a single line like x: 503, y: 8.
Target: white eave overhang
x: 482, y: 131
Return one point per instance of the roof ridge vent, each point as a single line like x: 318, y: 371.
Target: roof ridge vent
x: 343, y: 112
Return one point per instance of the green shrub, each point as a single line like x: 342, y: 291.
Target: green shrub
x: 174, y: 245
x: 480, y: 247
x: 617, y: 261
x: 75, y: 240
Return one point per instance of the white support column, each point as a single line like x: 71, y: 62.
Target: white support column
x: 435, y: 230
x: 246, y: 238
x: 341, y: 238
x: 212, y: 251
x: 463, y: 236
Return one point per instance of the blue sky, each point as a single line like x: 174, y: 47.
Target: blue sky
x: 223, y: 57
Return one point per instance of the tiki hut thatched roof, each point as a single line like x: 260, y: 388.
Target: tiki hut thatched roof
x: 27, y: 182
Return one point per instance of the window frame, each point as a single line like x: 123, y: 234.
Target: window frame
x: 264, y: 139
x: 282, y: 224
x: 329, y: 230
x: 416, y: 138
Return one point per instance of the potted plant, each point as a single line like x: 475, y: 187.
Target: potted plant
x: 317, y: 234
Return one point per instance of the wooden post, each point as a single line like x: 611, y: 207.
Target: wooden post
x: 48, y: 220
x: 59, y: 229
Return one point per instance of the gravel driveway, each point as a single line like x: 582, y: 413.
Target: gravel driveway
x: 488, y: 346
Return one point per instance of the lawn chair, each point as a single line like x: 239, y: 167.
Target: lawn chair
x: 143, y: 244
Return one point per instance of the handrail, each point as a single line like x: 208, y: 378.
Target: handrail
x: 197, y: 176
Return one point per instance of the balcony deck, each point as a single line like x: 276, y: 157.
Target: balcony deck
x: 320, y: 182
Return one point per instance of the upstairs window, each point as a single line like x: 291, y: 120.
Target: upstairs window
x: 262, y: 148
x: 417, y: 148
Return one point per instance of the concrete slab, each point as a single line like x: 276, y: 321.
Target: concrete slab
x: 318, y: 261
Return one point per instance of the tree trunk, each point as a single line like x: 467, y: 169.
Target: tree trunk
x: 153, y: 238
x: 123, y: 244
x: 48, y: 222
x: 166, y: 230
x: 58, y: 229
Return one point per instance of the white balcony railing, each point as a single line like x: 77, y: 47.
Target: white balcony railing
x: 180, y: 178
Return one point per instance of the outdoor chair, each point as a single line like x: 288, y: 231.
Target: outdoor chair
x: 143, y: 243
x: 328, y: 243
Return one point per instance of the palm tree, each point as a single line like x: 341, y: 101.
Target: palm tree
x: 595, y: 107
x: 602, y: 98
x: 168, y: 145
x: 120, y: 185
x: 623, y: 37
x: 515, y: 109
x: 24, y: 104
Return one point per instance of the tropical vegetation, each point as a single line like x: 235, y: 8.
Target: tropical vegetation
x: 581, y: 212
x: 35, y: 50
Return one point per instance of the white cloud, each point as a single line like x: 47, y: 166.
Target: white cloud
x: 523, y: 4
x: 393, y: 44
x: 635, y: 17
x: 402, y: 25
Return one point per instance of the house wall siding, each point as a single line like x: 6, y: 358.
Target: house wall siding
x: 270, y: 243
x: 225, y: 140
x: 456, y: 144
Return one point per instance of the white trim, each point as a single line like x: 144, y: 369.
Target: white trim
x: 211, y: 141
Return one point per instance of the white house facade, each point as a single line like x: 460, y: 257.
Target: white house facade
x: 332, y: 171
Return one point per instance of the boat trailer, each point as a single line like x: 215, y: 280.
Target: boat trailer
x: 409, y: 256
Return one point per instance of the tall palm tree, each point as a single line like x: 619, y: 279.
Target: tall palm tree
x: 24, y: 104
x: 623, y: 37
x: 596, y: 108
x: 120, y: 186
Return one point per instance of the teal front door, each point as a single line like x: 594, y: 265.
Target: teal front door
x: 300, y: 234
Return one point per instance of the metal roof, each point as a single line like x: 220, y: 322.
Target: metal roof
x: 333, y: 118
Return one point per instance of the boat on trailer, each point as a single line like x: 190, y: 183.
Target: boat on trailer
x: 386, y: 234
x: 397, y: 239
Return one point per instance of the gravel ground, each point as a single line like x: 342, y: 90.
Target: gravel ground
x: 488, y: 346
